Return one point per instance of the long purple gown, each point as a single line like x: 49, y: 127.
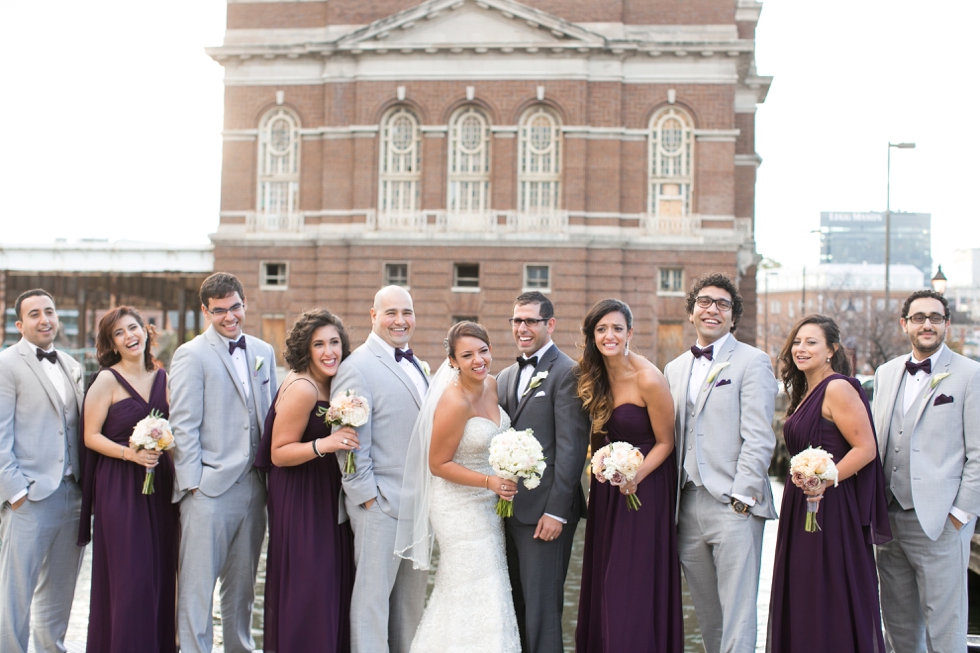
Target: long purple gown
x: 631, y: 577
x: 310, y: 561
x: 825, y: 584
x: 134, y: 537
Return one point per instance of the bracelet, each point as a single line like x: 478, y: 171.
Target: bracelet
x: 317, y: 451
x: 122, y: 451
x: 486, y: 482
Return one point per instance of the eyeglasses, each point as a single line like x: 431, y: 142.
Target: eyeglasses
x: 705, y: 302
x: 221, y: 312
x: 531, y: 322
x: 919, y: 318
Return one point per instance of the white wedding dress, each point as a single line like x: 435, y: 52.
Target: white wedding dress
x: 471, y: 608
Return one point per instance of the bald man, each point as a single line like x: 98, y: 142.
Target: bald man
x: 389, y: 595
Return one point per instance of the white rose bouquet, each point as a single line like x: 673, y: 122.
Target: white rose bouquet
x: 152, y: 433
x: 347, y: 409
x: 514, y: 455
x: 808, y: 470
x: 618, y: 463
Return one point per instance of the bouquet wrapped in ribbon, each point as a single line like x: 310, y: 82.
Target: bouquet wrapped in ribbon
x: 514, y: 455
x: 347, y: 409
x: 808, y: 471
x: 618, y: 463
x: 152, y: 433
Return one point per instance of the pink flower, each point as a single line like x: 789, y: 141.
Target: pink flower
x: 812, y: 484
x: 617, y: 479
x: 799, y: 478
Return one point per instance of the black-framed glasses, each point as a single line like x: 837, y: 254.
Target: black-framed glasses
x: 531, y: 322
x: 920, y: 318
x: 705, y: 302
x: 221, y: 312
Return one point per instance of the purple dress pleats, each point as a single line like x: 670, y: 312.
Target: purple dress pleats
x: 310, y: 561
x: 825, y: 583
x: 134, y: 537
x: 631, y: 578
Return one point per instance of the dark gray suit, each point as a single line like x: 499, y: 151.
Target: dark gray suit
x: 538, y: 568
x: 39, y: 435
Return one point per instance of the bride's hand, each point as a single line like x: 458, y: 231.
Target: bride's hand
x: 503, y: 488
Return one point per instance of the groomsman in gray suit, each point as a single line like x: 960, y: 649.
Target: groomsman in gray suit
x: 724, y: 398
x: 540, y: 392
x: 221, y: 387
x: 40, y: 402
x: 389, y: 595
x: 927, y: 415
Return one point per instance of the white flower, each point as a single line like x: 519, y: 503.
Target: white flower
x: 713, y: 374
x: 259, y: 362
x: 536, y: 381
x: 425, y: 369
x: 936, y: 378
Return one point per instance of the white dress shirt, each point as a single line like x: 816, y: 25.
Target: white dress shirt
x: 527, y: 372
x: 414, y: 372
x: 240, y: 361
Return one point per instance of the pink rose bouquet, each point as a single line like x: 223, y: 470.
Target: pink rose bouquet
x: 347, y: 409
x: 618, y: 463
x: 152, y: 433
x: 808, y: 470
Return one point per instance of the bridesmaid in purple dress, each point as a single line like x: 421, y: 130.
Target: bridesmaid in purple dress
x: 824, y: 584
x: 135, y: 535
x: 310, y: 561
x: 631, y: 582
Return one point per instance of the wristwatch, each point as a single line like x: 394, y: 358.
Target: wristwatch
x: 740, y: 507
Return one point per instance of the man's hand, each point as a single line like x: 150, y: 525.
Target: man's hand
x: 367, y: 504
x: 19, y: 502
x: 548, y: 528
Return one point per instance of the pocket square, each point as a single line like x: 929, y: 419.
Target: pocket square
x: 942, y: 399
x: 265, y: 382
x: 723, y: 382
x: 540, y: 394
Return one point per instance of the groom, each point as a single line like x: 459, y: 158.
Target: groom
x: 389, y: 596
x: 539, y: 393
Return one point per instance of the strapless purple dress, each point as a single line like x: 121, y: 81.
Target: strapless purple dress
x: 631, y: 576
x: 134, y: 537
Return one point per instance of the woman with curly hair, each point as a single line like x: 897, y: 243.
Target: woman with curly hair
x: 630, y: 564
x: 310, y: 560
x: 135, y: 535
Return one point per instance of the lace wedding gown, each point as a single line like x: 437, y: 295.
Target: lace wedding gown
x: 471, y: 608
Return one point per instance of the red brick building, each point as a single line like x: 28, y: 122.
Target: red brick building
x: 473, y: 149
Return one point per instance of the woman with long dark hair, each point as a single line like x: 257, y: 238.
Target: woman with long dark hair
x: 134, y: 535
x: 825, y: 584
x: 631, y: 585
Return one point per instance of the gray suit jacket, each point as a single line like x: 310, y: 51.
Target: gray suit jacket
x: 555, y: 414
x: 945, y: 457
x: 371, y: 372
x: 34, y: 423
x: 732, y: 423
x: 209, y: 413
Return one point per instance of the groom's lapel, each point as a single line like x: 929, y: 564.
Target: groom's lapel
x: 547, y: 361
x: 220, y: 349
x: 723, y: 356
x: 389, y: 362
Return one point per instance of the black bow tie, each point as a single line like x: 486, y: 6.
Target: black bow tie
x: 707, y: 352
x: 524, y: 362
x: 50, y: 355
x: 924, y: 366
x: 407, y: 353
x: 240, y: 343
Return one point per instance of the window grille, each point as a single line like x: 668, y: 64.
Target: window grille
x: 278, y: 193
x: 670, y: 160
x: 539, y: 172
x: 400, y: 162
x: 469, y: 162
x: 396, y: 274
x: 537, y: 277
x: 671, y: 280
x: 466, y: 275
x: 273, y: 275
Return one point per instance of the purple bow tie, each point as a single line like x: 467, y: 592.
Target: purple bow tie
x: 707, y: 352
x: 51, y: 356
x: 240, y: 343
x: 924, y: 366
x: 407, y: 353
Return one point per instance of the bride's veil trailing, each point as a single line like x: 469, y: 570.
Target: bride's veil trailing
x: 413, y: 538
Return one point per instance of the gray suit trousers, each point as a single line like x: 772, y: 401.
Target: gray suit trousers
x: 221, y: 538
x: 924, y: 585
x: 721, y: 553
x: 380, y: 573
x: 39, y: 561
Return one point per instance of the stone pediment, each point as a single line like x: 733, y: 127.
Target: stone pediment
x: 468, y: 24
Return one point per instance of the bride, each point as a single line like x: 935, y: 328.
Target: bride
x: 450, y: 491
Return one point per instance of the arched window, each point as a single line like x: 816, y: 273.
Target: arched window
x: 401, y: 162
x: 469, y: 162
x: 278, y: 193
x: 539, y: 174
x: 671, y: 155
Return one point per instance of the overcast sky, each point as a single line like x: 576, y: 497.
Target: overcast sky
x: 113, y: 114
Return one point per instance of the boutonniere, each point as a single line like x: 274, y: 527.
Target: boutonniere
x: 936, y: 378
x: 425, y: 369
x: 77, y: 375
x: 536, y: 381
x: 714, y: 373
x: 259, y: 362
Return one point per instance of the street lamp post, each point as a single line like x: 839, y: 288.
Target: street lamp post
x: 939, y: 281
x: 888, y: 218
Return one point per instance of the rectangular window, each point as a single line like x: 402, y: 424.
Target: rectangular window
x: 671, y: 281
x: 537, y: 277
x: 466, y: 277
x: 273, y: 275
x: 396, y: 274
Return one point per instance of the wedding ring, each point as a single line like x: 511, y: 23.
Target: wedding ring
x: 345, y: 442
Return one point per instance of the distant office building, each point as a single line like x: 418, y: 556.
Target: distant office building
x: 860, y: 238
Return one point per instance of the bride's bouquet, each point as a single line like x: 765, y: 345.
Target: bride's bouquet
x: 808, y: 470
x: 618, y: 463
x: 347, y: 409
x: 514, y: 455
x: 152, y: 433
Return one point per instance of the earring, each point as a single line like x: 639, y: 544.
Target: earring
x: 455, y: 375
x: 828, y: 360
x: 626, y: 352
